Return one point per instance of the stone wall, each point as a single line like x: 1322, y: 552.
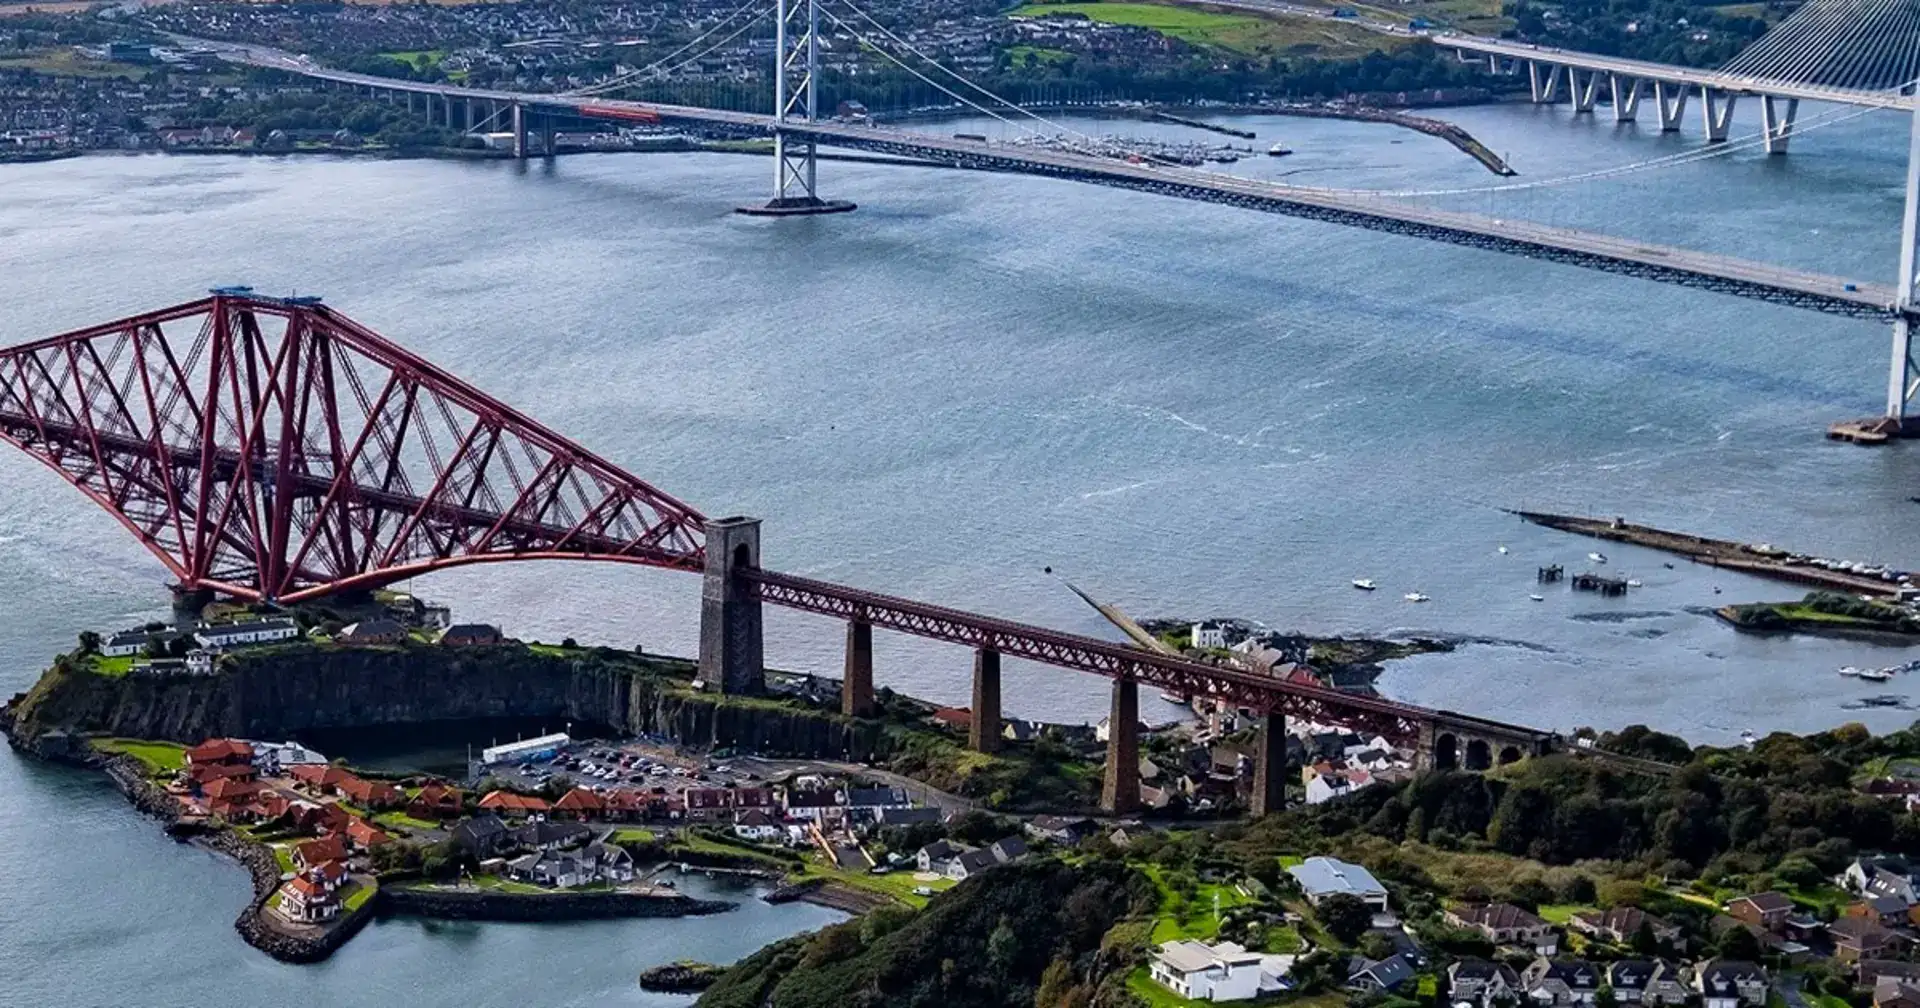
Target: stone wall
x: 483, y: 904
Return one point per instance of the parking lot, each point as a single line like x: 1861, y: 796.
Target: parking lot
x: 641, y: 765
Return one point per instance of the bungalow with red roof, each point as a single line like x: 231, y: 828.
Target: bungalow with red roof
x: 954, y: 717
x: 626, y: 805
x: 202, y: 774
x: 370, y: 793
x: 507, y: 803
x: 364, y: 835
x: 436, y: 801
x: 315, y: 853
x: 318, y: 779
x: 219, y: 751
x: 580, y: 804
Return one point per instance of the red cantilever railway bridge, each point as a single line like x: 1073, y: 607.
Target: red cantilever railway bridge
x: 275, y: 450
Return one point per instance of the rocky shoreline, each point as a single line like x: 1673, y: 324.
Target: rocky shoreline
x: 129, y: 777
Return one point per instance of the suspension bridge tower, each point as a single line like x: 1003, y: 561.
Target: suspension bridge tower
x: 796, y: 65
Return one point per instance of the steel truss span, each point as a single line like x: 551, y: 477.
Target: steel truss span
x: 1237, y: 687
x: 276, y: 450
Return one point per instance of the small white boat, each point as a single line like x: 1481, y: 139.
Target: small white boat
x: 1503, y: 550
x: 1875, y: 675
x: 1364, y: 584
x: 1631, y: 583
x: 1538, y: 598
x: 1278, y: 150
x: 1597, y: 557
x: 1748, y: 738
x: 1415, y: 597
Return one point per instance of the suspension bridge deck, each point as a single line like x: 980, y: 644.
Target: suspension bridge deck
x: 1663, y: 263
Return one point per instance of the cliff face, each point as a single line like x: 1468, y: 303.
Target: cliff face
x: 281, y: 692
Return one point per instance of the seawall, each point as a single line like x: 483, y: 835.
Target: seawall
x: 480, y: 904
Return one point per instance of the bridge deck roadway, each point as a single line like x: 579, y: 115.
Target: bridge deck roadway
x: 1663, y: 263
x: 1718, y: 80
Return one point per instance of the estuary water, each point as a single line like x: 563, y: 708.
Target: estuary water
x: 1187, y: 410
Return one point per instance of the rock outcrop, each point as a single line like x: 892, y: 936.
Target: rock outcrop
x: 280, y: 692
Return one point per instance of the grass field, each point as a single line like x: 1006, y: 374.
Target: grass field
x: 160, y: 757
x: 403, y: 821
x: 67, y: 63
x: 283, y: 856
x: 1561, y: 913
x: 634, y: 835
x: 1249, y: 34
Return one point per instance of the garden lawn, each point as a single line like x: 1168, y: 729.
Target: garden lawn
x: 1200, y: 921
x: 357, y: 894
x: 401, y: 820
x: 1561, y: 913
x: 159, y: 757
x: 634, y: 835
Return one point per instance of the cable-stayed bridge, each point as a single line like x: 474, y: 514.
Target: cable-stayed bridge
x: 797, y: 130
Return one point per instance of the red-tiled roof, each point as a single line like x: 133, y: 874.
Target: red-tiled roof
x: 219, y: 751
x: 579, y: 800
x: 507, y: 801
x: 327, y: 848
x: 366, y: 834
x: 232, y: 790
x: 958, y: 717
x: 203, y: 773
x: 307, y: 888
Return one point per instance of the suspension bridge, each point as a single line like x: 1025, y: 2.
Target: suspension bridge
x: 798, y: 130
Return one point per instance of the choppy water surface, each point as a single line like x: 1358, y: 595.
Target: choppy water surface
x: 1187, y: 409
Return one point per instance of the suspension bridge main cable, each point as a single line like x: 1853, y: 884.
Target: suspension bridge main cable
x: 623, y: 80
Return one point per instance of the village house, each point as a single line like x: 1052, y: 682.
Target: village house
x: 1650, y: 982
x: 757, y: 826
x: 124, y: 644
x: 1561, y: 982
x: 908, y: 816
x: 1505, y: 924
x: 1220, y: 972
x: 1725, y: 983
x: 1888, y: 910
x: 219, y: 637
x: 507, y: 803
x: 220, y: 752
x: 594, y: 863
x: 1869, y: 972
x: 956, y: 718
x: 551, y: 835
x: 371, y: 794
x: 1857, y: 938
x: 276, y: 758
x: 469, y: 635
x: 306, y: 899
x: 580, y: 804
x: 373, y: 631
x: 436, y: 801
x: 200, y: 775
x: 314, y: 853
x: 1769, y: 910
x: 1378, y: 976
x: 1884, y: 876
x: 482, y: 836
x: 1478, y: 981
x: 819, y: 804
x: 1320, y: 877
x: 937, y: 856
x: 365, y: 836
x: 1620, y: 924
x: 1063, y: 830
x: 233, y: 799
x: 1892, y: 993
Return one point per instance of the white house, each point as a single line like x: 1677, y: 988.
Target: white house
x: 270, y: 758
x: 225, y: 635
x: 757, y: 826
x: 1222, y: 972
x: 200, y: 661
x: 124, y: 643
x: 1209, y: 636
x: 1321, y: 877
